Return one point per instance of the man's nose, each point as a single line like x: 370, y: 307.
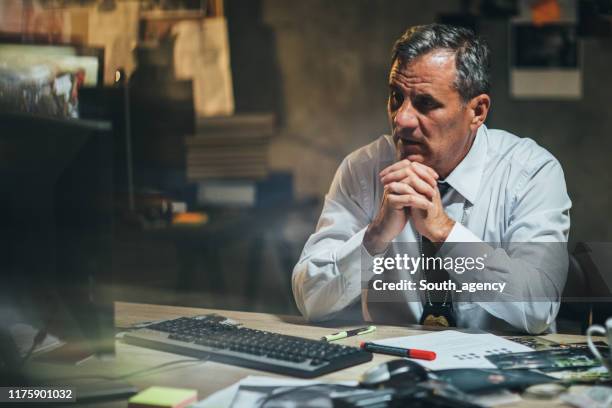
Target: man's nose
x: 406, y: 116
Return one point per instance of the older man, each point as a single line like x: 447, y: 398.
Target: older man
x: 442, y: 178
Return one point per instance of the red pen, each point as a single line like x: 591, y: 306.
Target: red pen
x: 398, y: 351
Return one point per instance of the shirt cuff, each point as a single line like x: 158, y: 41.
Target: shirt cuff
x: 454, y: 247
x: 355, y: 264
x: 459, y: 233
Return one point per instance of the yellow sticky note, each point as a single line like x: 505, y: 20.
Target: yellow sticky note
x: 163, y: 397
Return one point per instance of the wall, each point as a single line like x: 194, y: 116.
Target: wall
x: 331, y: 62
x: 328, y: 68
x: 576, y: 132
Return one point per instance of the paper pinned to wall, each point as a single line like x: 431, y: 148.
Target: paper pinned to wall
x: 214, y: 93
x: 186, y: 48
x: 117, y: 32
x: 201, y: 53
x: 456, y: 349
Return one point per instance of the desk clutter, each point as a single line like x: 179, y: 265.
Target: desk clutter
x: 408, y: 385
x: 260, y: 391
x: 456, y: 349
x: 470, y: 369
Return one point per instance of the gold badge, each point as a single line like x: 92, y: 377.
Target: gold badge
x: 439, y: 321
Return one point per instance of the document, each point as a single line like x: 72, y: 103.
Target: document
x: 249, y: 391
x: 24, y: 335
x: 456, y: 349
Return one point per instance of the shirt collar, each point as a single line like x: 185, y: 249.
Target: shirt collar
x: 465, y: 178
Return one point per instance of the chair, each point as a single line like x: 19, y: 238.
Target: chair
x: 595, y: 259
x: 575, y: 303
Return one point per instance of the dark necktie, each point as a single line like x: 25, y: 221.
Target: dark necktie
x: 438, y: 303
x: 434, y: 272
x: 391, y: 308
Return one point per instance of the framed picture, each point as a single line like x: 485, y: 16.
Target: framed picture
x: 545, y: 61
x: 545, y: 52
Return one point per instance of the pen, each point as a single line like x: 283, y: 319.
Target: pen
x: 398, y: 351
x: 349, y: 333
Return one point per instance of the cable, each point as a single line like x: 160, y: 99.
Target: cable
x: 133, y: 373
x: 311, y: 387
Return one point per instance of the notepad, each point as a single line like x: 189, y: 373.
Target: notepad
x: 163, y: 397
x: 456, y: 349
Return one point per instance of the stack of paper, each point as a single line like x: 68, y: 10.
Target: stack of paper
x: 230, y: 148
x: 456, y: 349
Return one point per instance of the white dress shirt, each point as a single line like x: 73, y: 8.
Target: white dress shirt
x: 511, y: 190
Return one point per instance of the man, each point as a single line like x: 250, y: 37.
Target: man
x: 442, y: 177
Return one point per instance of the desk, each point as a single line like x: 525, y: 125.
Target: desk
x: 208, y: 377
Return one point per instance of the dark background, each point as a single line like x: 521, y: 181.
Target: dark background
x: 323, y: 66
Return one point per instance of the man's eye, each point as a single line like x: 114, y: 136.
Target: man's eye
x: 396, y: 99
x: 425, y: 104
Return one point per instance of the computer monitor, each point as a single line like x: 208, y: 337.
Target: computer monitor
x: 56, y: 236
x: 66, y: 57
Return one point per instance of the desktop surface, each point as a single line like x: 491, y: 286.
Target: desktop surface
x: 208, y: 377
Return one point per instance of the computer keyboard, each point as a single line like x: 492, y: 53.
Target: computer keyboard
x: 211, y: 336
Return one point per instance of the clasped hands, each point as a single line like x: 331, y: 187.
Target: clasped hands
x: 410, y: 192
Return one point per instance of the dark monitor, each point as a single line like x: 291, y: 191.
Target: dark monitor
x: 56, y: 238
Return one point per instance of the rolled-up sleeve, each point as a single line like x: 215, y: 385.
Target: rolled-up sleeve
x: 328, y: 276
x: 531, y: 259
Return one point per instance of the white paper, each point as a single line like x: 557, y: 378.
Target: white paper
x: 220, y: 399
x: 24, y: 334
x: 213, y: 89
x: 496, y: 399
x: 186, y: 48
x: 456, y: 349
x: 225, y: 397
x: 117, y: 32
x: 584, y: 396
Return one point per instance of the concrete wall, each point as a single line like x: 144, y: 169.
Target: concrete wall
x: 576, y: 132
x: 323, y: 67
x: 330, y: 70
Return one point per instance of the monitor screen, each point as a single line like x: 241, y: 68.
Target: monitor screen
x: 58, y: 57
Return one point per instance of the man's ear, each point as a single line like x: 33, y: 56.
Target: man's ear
x: 479, y: 105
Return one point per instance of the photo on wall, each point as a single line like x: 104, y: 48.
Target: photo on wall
x: 545, y: 62
x: 544, y: 53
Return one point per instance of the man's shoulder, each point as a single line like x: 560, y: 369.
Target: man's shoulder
x: 357, y: 175
x: 370, y: 157
x: 523, y: 152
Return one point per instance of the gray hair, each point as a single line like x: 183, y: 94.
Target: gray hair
x: 471, y: 54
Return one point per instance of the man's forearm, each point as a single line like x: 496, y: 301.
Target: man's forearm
x: 373, y: 240
x: 326, y: 281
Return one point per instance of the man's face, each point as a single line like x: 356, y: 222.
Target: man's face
x: 430, y: 122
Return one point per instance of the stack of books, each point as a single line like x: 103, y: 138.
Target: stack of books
x: 227, y: 156
x: 230, y: 148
